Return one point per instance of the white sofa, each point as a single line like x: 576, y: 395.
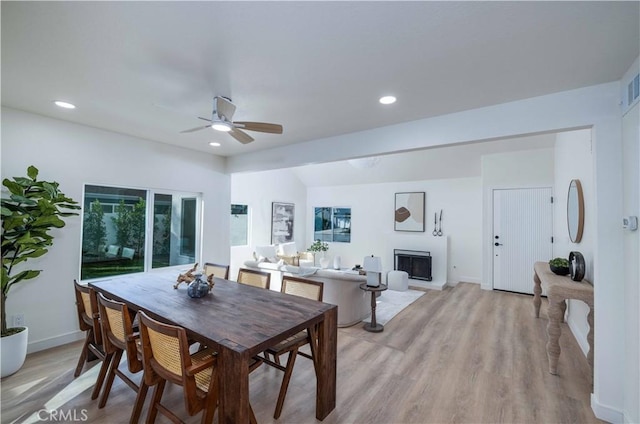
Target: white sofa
x: 341, y: 288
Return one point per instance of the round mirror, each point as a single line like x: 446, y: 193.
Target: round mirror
x: 575, y: 211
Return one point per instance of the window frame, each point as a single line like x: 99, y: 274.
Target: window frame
x: 149, y: 225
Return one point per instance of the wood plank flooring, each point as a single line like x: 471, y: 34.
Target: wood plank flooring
x: 461, y: 355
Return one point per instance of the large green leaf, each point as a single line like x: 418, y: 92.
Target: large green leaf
x: 13, y: 187
x: 32, y: 172
x: 47, y: 221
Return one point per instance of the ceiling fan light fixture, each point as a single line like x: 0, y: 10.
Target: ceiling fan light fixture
x: 387, y: 100
x: 221, y: 126
x: 214, y: 144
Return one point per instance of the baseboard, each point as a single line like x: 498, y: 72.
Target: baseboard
x: 433, y: 285
x: 63, y: 339
x: 606, y: 413
x: 470, y: 280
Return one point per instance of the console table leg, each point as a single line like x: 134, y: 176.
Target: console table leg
x: 553, y: 333
x: 537, y: 291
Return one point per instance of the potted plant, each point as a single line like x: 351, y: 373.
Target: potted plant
x: 30, y: 211
x: 317, y: 247
x: 559, y: 266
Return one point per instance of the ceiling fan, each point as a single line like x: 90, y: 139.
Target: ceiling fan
x: 221, y: 120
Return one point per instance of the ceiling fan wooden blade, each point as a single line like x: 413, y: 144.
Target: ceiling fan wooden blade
x: 195, y: 129
x: 224, y: 108
x: 259, y: 126
x: 241, y: 136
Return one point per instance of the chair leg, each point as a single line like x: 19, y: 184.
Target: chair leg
x: 83, y: 354
x: 155, y: 400
x: 285, y: 382
x: 211, y: 401
x: 313, y: 340
x: 113, y: 366
x: 140, y: 398
x: 101, y: 375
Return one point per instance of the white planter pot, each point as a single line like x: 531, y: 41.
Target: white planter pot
x: 13, y: 351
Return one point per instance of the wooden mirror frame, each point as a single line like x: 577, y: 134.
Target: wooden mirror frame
x: 576, y: 198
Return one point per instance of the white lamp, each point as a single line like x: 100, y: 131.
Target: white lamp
x: 373, y: 266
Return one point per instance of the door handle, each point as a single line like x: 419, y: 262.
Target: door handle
x: 497, y: 244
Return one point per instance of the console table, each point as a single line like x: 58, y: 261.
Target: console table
x: 559, y: 289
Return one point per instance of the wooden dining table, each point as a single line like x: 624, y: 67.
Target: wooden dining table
x: 239, y: 321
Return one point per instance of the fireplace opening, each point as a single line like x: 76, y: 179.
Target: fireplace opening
x: 416, y: 263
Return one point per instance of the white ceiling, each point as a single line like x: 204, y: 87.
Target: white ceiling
x: 149, y: 69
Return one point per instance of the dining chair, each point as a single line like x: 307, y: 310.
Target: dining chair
x: 219, y: 271
x: 254, y: 278
x: 89, y: 321
x: 166, y: 357
x: 119, y: 338
x: 310, y: 290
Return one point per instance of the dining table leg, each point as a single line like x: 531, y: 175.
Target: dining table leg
x: 327, y: 354
x: 233, y: 374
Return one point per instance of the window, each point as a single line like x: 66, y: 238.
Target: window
x: 121, y: 225
x: 239, y: 225
x: 332, y: 224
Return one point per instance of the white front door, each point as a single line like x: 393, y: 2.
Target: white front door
x: 522, y: 231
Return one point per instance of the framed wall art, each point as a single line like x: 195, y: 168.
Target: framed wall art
x: 282, y: 219
x: 332, y: 224
x: 409, y: 211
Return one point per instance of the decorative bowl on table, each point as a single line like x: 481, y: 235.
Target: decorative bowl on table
x: 199, y: 287
x: 559, y: 266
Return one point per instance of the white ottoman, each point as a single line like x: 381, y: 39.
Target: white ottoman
x: 398, y: 280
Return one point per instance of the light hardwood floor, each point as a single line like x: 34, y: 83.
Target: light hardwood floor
x: 462, y: 355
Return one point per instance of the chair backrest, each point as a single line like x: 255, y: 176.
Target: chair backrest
x: 87, y: 306
x: 302, y: 287
x: 254, y: 278
x: 117, y: 330
x: 165, y: 354
x: 218, y: 271
x: 165, y: 351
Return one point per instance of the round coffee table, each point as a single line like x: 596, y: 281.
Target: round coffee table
x: 373, y: 327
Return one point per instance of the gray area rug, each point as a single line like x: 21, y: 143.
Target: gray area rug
x: 391, y: 302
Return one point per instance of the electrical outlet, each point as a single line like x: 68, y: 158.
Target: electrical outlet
x: 18, y: 320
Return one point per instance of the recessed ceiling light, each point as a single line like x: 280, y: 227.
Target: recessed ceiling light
x: 214, y: 144
x: 65, y: 105
x: 387, y: 100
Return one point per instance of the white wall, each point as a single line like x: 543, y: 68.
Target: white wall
x: 72, y: 155
x: 574, y: 160
x: 258, y: 190
x: 372, y: 217
x: 631, y: 206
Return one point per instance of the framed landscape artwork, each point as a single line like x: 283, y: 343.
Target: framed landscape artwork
x: 282, y: 218
x: 409, y: 211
